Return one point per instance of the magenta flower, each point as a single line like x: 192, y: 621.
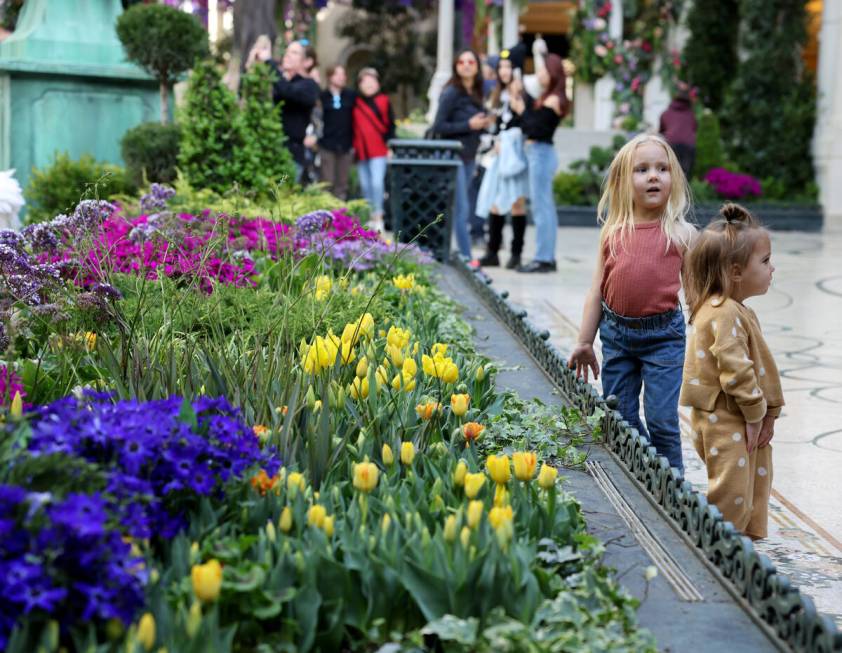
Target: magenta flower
x: 733, y: 185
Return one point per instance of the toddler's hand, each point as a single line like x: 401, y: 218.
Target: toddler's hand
x: 581, y: 359
x: 752, y: 434
x: 767, y: 431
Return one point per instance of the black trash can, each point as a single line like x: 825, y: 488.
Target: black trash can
x: 422, y: 187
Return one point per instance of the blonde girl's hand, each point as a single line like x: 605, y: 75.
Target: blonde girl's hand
x: 753, y: 434
x: 767, y: 431
x: 582, y: 359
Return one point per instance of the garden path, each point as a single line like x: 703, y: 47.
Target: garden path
x: 800, y: 316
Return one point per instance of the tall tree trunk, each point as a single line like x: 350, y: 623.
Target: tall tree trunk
x: 165, y: 101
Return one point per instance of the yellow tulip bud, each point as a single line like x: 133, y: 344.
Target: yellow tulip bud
x: 286, y: 519
x: 498, y: 469
x: 387, y: 456
x: 473, y: 484
x: 395, y: 355
x: 362, y: 367
x: 407, y: 453
x: 480, y: 374
x: 547, y: 476
x: 327, y: 525
x: 459, y: 404
x: 450, y: 526
x: 366, y: 475
x: 460, y: 473
x: 475, y: 509
x: 317, y: 406
x: 194, y: 619
x: 316, y: 515
x: 271, y: 535
x: 16, y: 407
x: 501, y: 496
x: 207, y: 580
x: 146, y: 631
x: 310, y: 397
x: 524, y: 463
x: 498, y: 515
x: 295, y: 482
x: 194, y: 552
x: 385, y: 523
x: 465, y: 536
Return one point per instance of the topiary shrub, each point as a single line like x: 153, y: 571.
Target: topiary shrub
x: 150, y: 151
x: 162, y: 40
x: 708, y: 144
x: 59, y: 187
x: 568, y: 189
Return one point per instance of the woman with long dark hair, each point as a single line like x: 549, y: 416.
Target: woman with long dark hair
x: 539, y: 120
x: 461, y: 116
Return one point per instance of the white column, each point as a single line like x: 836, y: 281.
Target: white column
x: 444, y: 56
x: 492, y: 46
x: 827, y: 139
x: 511, y: 17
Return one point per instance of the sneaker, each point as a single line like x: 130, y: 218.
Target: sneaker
x: 490, y: 260
x: 514, y: 262
x: 475, y: 264
x: 538, y: 266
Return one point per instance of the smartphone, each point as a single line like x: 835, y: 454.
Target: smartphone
x: 518, y: 75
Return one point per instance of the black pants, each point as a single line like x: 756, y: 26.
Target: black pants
x: 495, y: 233
x: 686, y: 155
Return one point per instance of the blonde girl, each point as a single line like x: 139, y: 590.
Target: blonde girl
x: 730, y: 381
x: 633, y: 299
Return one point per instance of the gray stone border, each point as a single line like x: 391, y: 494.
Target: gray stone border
x: 749, y: 574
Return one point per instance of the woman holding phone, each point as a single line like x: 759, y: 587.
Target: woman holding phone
x: 461, y: 116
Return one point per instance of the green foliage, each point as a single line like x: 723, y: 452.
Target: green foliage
x: 262, y: 161
x: 703, y: 191
x: 59, y: 187
x: 710, y: 53
x: 161, y: 39
x: 150, y: 151
x: 229, y: 149
x: 568, y: 189
x: 770, y: 110
x: 708, y: 144
x: 209, y: 133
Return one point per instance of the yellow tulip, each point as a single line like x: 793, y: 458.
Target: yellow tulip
x: 472, y: 431
x: 359, y: 388
x: 286, y: 519
x: 366, y: 475
x: 395, y: 355
x: 316, y: 515
x: 459, y: 404
x: 498, y: 469
x: 16, y: 407
x: 460, y: 473
x: 194, y: 619
x: 451, y: 373
x: 426, y: 411
x: 473, y: 484
x: 501, y: 496
x: 547, y: 476
x: 409, y: 368
x: 207, y: 580
x: 475, y: 509
x: 524, y: 463
x: 362, y: 367
x: 387, y: 456
x: 404, y: 281
x: 429, y: 366
x: 271, y: 535
x: 381, y: 375
x: 480, y: 374
x: 450, y: 525
x: 499, y: 515
x: 465, y: 536
x: 407, y: 453
x: 366, y: 323
x: 295, y: 482
x: 323, y: 286
x: 146, y: 631
x: 348, y: 355
x: 385, y: 523
x: 439, y: 349
x: 398, y: 337
x: 327, y: 525
x: 90, y: 342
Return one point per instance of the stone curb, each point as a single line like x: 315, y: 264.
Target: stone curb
x: 791, y: 615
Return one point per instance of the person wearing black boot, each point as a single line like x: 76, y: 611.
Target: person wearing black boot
x: 505, y: 183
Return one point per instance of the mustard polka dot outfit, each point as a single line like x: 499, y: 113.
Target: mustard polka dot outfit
x: 730, y: 378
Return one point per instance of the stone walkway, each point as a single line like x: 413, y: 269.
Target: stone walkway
x: 801, y: 317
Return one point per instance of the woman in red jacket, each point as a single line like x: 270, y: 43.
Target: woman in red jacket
x: 374, y: 125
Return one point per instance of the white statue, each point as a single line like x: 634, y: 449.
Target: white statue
x: 11, y: 200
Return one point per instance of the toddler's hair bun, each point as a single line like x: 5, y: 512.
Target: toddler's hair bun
x: 734, y: 213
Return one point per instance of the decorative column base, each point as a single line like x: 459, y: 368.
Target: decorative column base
x: 603, y: 104
x: 584, y: 106
x: 440, y: 78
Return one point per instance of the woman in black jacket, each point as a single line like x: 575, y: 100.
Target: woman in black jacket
x: 461, y: 116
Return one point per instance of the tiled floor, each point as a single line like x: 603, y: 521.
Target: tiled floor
x: 802, y: 320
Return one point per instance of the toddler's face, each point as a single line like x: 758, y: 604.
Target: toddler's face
x: 756, y: 278
x: 651, y: 179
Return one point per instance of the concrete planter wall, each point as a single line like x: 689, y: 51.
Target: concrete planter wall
x: 778, y: 217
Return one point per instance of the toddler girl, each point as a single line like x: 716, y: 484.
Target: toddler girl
x: 730, y: 379
x: 633, y: 299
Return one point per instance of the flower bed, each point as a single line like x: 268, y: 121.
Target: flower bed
x: 415, y: 504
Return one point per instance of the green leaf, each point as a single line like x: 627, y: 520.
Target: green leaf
x: 453, y: 629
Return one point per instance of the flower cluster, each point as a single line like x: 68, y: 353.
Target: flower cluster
x: 10, y: 384
x: 156, y: 462
x: 733, y: 185
x: 59, y: 557
x: 156, y: 199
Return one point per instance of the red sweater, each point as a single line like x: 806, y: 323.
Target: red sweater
x: 371, y: 131
x: 644, y: 277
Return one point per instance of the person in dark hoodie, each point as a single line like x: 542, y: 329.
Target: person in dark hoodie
x: 678, y: 127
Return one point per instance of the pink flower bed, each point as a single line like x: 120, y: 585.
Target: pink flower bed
x: 733, y: 185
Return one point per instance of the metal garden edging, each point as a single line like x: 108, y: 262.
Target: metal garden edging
x: 752, y: 577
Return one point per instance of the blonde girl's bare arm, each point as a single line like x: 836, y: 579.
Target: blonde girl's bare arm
x: 583, y: 357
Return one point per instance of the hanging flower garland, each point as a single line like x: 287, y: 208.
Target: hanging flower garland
x: 628, y: 61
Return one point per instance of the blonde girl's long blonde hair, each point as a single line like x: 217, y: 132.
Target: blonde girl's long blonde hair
x: 615, y: 210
